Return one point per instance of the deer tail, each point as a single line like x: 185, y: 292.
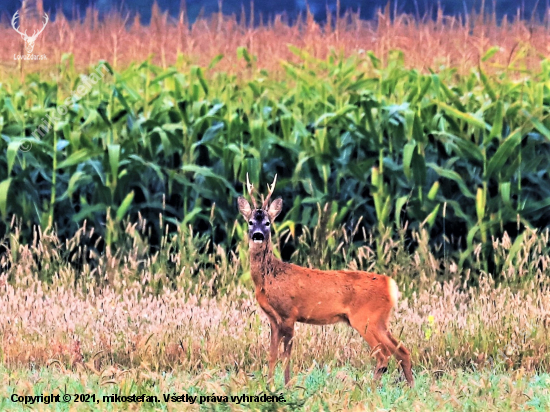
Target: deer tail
x: 394, y: 292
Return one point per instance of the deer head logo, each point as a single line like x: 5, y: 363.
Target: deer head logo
x: 29, y: 40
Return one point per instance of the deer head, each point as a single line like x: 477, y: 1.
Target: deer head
x: 260, y: 219
x: 29, y: 40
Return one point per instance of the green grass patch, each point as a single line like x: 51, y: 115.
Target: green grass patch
x: 344, y: 388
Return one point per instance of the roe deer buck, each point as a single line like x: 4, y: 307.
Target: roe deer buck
x: 289, y: 293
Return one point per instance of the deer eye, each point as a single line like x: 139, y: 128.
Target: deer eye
x: 267, y: 223
x: 250, y: 222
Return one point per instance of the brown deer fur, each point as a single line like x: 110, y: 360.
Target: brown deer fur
x: 288, y: 293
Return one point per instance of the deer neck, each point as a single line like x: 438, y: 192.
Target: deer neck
x: 261, y: 262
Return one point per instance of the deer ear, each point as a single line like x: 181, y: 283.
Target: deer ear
x: 244, y: 207
x: 275, y: 208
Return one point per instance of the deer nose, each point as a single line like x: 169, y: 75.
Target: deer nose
x: 258, y: 237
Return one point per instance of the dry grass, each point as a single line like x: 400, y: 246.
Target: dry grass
x: 168, y: 310
x: 448, y: 41
x: 129, y: 322
x: 474, y: 348
x: 445, y: 327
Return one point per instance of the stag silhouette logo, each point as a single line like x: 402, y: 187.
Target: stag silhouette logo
x: 29, y: 40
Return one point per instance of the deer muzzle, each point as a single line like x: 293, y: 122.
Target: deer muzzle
x: 258, y: 237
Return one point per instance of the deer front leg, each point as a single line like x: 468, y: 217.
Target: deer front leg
x: 287, y: 330
x: 273, y: 348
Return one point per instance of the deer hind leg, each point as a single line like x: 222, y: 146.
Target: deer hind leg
x: 379, y: 350
x: 400, y: 352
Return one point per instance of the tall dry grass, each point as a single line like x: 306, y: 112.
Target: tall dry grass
x: 447, y: 41
x: 166, y: 311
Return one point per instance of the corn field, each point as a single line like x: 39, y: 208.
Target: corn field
x: 463, y: 155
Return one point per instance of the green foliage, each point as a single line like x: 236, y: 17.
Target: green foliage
x: 318, y: 388
x: 385, y: 144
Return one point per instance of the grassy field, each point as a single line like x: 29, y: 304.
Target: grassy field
x: 482, y: 347
x: 415, y: 149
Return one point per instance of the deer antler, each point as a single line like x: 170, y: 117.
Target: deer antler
x: 13, y: 22
x: 35, y: 34
x: 250, y: 189
x: 271, y: 189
